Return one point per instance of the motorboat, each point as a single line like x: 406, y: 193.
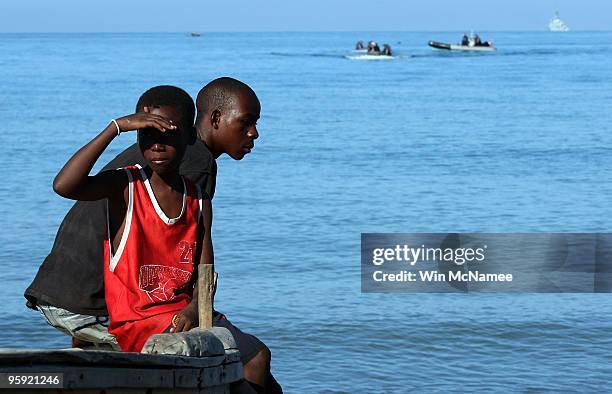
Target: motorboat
x: 463, y: 48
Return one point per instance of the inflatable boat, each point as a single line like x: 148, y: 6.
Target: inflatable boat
x: 370, y: 57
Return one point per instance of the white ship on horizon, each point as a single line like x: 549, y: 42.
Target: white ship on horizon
x: 556, y: 24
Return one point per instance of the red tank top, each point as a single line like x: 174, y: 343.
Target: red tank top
x: 146, y: 280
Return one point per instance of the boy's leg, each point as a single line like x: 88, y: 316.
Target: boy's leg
x: 86, y: 328
x: 255, y: 357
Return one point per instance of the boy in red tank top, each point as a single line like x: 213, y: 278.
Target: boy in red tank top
x: 158, y: 222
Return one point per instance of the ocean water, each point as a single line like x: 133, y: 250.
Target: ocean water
x: 514, y: 141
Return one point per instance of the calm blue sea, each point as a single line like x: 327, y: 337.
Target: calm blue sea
x: 515, y: 141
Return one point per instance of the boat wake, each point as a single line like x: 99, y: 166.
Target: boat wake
x: 328, y: 55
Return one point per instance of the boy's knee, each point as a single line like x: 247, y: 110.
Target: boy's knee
x: 257, y: 369
x: 266, y: 353
x: 261, y: 360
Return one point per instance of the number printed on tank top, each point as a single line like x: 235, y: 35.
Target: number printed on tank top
x: 186, y: 252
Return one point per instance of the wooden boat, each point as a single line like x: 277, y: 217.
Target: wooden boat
x: 202, y: 361
x: 77, y: 371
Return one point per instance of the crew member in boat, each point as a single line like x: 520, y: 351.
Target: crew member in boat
x: 477, y: 42
x: 359, y: 45
x: 373, y: 48
x: 387, y: 50
x: 465, y: 40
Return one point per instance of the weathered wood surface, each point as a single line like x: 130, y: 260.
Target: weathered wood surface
x: 206, y: 284
x: 208, y: 390
x: 95, y: 371
x: 109, y: 358
x: 100, y: 378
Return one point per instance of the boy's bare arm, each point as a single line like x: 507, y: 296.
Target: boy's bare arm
x: 73, y: 180
x: 207, y: 256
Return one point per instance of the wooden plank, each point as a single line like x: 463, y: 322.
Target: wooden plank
x: 13, y: 357
x: 205, y: 295
x: 209, y: 390
x: 92, y: 378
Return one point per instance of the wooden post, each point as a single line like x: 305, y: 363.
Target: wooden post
x: 205, y: 295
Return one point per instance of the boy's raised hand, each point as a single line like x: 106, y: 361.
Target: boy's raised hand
x: 143, y: 120
x: 74, y: 182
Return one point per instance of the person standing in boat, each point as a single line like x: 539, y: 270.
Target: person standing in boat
x: 465, y: 40
x: 359, y: 46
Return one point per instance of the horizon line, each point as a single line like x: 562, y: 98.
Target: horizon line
x: 293, y: 31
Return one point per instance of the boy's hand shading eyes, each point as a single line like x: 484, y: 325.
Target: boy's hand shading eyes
x: 185, y: 320
x: 143, y: 120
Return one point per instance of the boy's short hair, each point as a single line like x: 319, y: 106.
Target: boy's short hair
x: 220, y: 93
x: 171, y: 96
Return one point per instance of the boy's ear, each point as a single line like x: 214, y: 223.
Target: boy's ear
x: 215, y: 118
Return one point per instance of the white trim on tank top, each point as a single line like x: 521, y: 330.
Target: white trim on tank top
x: 162, y: 215
x: 199, y: 190
x: 114, y: 259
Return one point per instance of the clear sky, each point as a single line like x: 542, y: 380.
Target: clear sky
x: 297, y: 15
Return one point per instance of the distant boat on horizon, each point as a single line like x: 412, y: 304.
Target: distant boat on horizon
x: 557, y: 25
